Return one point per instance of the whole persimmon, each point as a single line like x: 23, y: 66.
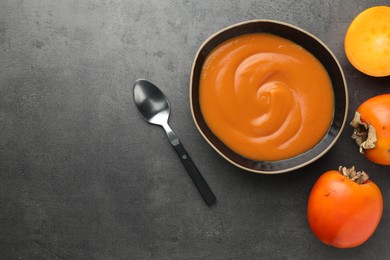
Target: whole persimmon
x: 367, y: 41
x: 372, y: 128
x: 344, y: 208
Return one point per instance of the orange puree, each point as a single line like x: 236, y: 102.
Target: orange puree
x: 265, y: 97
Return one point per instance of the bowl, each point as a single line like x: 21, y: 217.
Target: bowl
x: 309, y: 42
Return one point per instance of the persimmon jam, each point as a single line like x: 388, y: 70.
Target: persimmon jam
x: 265, y: 97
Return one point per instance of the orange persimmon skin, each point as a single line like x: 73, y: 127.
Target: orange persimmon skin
x: 367, y: 41
x: 342, y: 213
x: 376, y: 112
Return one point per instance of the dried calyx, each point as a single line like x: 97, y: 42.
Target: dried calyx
x: 359, y: 177
x: 364, y: 134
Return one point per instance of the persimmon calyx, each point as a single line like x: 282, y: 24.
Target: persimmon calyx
x: 364, y: 134
x: 359, y: 177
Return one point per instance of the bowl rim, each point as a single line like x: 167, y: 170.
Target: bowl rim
x: 331, y: 144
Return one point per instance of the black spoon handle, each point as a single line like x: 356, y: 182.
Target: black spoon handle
x: 197, y: 178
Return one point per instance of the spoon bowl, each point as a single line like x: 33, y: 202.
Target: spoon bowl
x: 151, y: 102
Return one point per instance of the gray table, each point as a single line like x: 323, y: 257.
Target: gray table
x: 82, y: 176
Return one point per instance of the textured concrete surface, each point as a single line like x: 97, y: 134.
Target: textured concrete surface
x: 82, y: 176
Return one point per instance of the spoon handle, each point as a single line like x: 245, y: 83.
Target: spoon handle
x: 197, y: 178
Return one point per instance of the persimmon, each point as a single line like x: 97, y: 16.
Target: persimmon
x: 344, y: 208
x: 372, y: 129
x: 367, y: 41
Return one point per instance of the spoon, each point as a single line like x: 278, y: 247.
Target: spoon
x: 154, y: 108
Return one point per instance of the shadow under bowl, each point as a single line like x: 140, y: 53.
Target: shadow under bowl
x: 312, y: 44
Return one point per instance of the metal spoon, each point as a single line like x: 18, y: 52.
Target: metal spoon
x: 154, y: 108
